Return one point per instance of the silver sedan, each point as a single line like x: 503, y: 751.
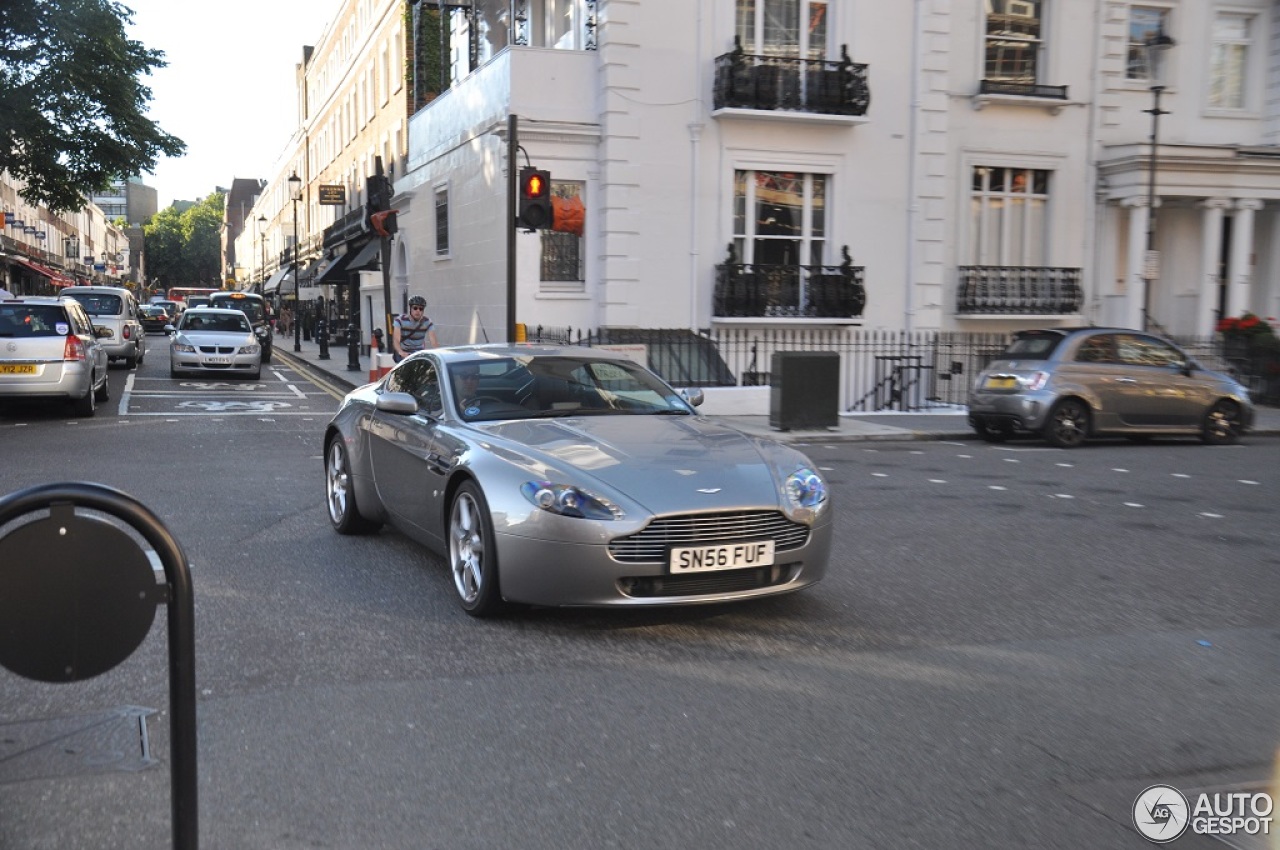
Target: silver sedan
x: 572, y: 476
x: 218, y: 341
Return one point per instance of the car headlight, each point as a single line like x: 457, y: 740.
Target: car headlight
x: 183, y: 348
x: 567, y: 500
x: 250, y: 349
x: 806, y: 489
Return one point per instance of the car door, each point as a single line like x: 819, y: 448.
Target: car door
x: 403, y: 450
x: 82, y: 326
x: 1161, y: 394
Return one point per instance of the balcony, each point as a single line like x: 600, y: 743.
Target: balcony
x: 791, y: 85
x: 758, y: 291
x: 1020, y: 290
x: 1020, y: 93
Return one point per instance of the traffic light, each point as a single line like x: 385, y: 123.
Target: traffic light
x: 377, y: 195
x: 535, y: 199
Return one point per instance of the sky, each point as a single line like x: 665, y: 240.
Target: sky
x: 228, y: 90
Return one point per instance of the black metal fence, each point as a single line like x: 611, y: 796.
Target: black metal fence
x: 879, y: 370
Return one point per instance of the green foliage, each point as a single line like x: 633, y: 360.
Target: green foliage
x: 428, y: 60
x: 72, y: 106
x: 184, y: 248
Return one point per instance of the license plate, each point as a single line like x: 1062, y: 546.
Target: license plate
x: 1000, y: 383
x: 218, y: 360
x: 17, y: 369
x: 735, y: 556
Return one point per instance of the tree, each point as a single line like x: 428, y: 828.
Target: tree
x: 185, y: 248
x: 72, y: 106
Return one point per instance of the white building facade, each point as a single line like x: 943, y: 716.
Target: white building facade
x: 972, y: 165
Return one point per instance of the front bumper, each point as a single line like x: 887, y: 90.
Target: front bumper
x: 556, y: 573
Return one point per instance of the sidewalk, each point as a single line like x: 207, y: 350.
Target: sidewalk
x: 949, y: 424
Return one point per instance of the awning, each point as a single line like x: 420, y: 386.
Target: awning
x: 273, y: 282
x: 334, y: 273
x: 55, y: 277
x: 367, y: 258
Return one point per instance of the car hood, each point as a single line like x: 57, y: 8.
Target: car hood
x: 667, y: 463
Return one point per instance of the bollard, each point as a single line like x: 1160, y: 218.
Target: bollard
x: 322, y: 334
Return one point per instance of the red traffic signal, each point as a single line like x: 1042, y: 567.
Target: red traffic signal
x: 535, y: 199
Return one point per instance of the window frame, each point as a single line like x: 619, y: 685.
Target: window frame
x: 975, y: 241
x: 1250, y: 44
x: 756, y: 13
x: 744, y: 242
x: 1135, y: 52
x: 440, y: 199
x: 1038, y: 53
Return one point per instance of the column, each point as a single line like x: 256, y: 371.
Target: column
x: 1240, y: 260
x: 1210, y: 251
x: 1134, y: 286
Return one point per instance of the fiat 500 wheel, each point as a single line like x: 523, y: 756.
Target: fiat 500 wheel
x: 1068, y: 424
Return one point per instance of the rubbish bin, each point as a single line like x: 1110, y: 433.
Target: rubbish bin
x: 805, y: 391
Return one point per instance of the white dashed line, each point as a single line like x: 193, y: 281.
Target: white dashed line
x: 996, y: 487
x: 1247, y: 481
x: 1179, y: 475
x: 1134, y: 505
x: 1118, y: 469
x: 937, y: 481
x: 1208, y: 515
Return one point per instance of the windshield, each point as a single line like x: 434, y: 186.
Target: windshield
x: 203, y: 320
x: 250, y: 307
x: 558, y: 386
x: 99, y: 303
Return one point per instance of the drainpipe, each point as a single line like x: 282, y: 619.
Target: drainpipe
x: 695, y: 169
x: 913, y: 151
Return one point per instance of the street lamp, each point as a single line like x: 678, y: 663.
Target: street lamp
x: 295, y: 195
x: 1158, y: 44
x: 262, y: 240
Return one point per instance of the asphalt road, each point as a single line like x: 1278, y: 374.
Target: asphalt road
x: 1012, y: 643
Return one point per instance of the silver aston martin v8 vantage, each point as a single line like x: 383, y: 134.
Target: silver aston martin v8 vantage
x: 572, y: 477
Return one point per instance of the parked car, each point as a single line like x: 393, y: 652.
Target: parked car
x: 1070, y: 384
x: 114, y: 308
x: 255, y: 307
x: 154, y: 318
x: 49, y: 348
x: 208, y: 339
x: 572, y: 476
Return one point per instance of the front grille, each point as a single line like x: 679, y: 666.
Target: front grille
x: 650, y: 544
x: 217, y: 349
x: 708, y: 584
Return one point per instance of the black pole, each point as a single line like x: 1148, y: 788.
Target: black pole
x: 297, y: 302
x: 353, y: 325
x: 1148, y: 271
x: 512, y: 146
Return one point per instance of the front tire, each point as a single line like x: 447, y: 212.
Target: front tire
x: 1068, y: 425
x: 473, y: 556
x: 340, y: 493
x: 1222, y: 424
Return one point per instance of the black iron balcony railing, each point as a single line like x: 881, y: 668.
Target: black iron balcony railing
x: 1026, y: 290
x: 745, y: 290
x: 1020, y: 89
x: 800, y: 85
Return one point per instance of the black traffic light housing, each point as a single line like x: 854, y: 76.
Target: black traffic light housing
x: 535, y: 199
x: 377, y: 194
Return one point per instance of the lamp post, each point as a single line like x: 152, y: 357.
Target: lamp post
x: 262, y: 240
x: 1157, y: 46
x: 295, y: 195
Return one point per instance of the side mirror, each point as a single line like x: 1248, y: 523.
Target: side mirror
x: 403, y: 403
x: 694, y: 396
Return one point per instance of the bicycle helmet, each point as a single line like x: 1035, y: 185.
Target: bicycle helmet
x: 418, y: 301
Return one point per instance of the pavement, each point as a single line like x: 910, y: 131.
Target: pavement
x: 943, y: 423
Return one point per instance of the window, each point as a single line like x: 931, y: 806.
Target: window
x: 1228, y: 60
x: 562, y: 252
x: 1144, y: 23
x: 792, y: 29
x: 779, y: 217
x: 442, y: 222
x: 1013, y: 41
x: 1008, y: 220
x: 419, y: 379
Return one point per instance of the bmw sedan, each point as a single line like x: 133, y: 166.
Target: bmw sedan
x: 1070, y: 384
x: 214, y: 341
x: 572, y: 477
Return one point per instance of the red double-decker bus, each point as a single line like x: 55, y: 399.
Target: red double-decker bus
x: 182, y: 293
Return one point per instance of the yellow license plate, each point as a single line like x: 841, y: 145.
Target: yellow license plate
x: 17, y: 369
x: 1001, y: 383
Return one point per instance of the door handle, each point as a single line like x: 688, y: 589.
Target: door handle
x: 1126, y: 380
